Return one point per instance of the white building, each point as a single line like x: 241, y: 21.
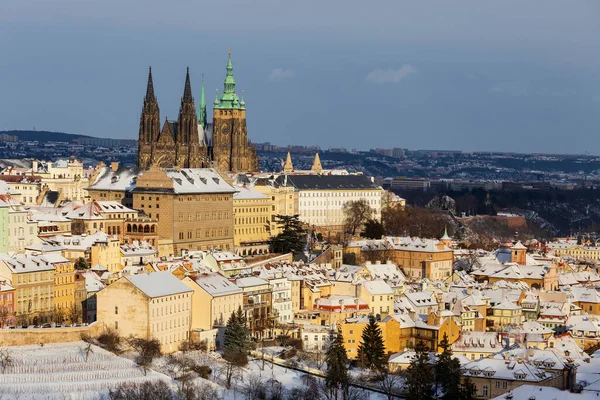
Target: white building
x: 321, y: 198
x: 282, y: 299
x: 22, y: 231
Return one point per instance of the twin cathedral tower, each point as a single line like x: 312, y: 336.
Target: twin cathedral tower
x: 193, y: 142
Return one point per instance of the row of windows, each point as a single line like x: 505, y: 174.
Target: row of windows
x: 208, y: 233
x: 199, y: 197
x: 157, y: 312
x: 170, y: 324
x: 242, y: 210
x: 208, y: 216
x: 340, y: 194
x: 251, y: 220
x: 332, y: 203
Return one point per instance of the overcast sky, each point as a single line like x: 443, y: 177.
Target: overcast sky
x: 468, y: 75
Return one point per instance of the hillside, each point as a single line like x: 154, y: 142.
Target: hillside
x: 44, y: 136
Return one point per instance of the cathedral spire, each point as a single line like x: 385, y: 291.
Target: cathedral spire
x: 317, y: 168
x: 187, y: 91
x: 229, y: 98
x: 150, y: 88
x: 288, y: 167
x: 202, y: 106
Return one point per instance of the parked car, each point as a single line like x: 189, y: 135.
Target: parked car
x: 36, y: 326
x: 46, y: 326
x: 57, y: 325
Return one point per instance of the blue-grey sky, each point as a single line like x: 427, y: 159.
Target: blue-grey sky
x: 510, y: 75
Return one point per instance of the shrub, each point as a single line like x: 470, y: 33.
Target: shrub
x: 110, y: 340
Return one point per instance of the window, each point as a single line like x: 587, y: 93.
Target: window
x: 504, y: 385
x: 116, y: 324
x: 116, y: 310
x: 484, y: 391
x: 497, y: 384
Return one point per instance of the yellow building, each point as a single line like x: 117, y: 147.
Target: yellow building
x: 64, y: 281
x: 570, y: 249
x: 155, y: 305
x: 66, y: 177
x: 214, y: 299
x: 418, y: 258
x: 96, y: 249
x: 379, y: 296
x: 252, y: 221
x: 506, y: 313
x: 284, y: 201
x: 33, y: 280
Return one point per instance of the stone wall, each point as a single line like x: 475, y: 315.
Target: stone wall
x: 22, y: 337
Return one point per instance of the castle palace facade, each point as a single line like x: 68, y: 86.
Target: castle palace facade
x: 192, y: 142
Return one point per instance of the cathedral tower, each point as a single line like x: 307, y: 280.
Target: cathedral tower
x: 188, y: 143
x: 232, y: 151
x: 149, y: 125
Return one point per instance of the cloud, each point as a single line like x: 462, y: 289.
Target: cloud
x: 381, y: 76
x: 281, y: 74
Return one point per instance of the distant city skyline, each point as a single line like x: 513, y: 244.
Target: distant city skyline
x: 507, y: 76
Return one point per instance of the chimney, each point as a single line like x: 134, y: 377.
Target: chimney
x: 114, y: 166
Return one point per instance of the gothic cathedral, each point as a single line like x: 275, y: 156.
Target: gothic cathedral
x: 192, y: 142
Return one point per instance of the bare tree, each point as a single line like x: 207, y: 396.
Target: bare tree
x: 390, y: 384
x: 22, y: 320
x: 6, y: 359
x: 74, y: 313
x: 230, y: 372
x: 254, y: 388
x: 4, y: 314
x: 148, y: 350
x: 356, y: 213
x: 149, y: 390
x: 87, y: 350
x: 57, y: 315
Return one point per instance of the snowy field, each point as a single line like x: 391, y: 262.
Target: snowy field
x: 60, y: 371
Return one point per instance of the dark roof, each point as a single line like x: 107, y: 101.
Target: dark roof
x: 327, y: 182
x: 173, y: 127
x: 52, y: 196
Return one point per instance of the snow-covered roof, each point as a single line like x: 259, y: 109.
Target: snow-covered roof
x: 245, y: 193
x: 24, y: 263
x: 198, y: 180
x: 121, y: 180
x: 216, y: 285
x: 377, y: 287
x: 158, y: 284
x: 250, y: 281
x: 506, y: 305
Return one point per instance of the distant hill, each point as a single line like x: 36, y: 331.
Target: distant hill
x: 44, y: 136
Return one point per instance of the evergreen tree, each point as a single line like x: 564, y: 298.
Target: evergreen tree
x: 419, y: 375
x: 336, y: 377
x: 236, y: 342
x: 373, y: 229
x: 292, y: 237
x: 447, y: 371
x: 466, y: 390
x: 371, y: 351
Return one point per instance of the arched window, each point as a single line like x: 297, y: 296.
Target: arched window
x: 146, y: 229
x: 152, y: 228
x: 135, y: 228
x: 128, y: 227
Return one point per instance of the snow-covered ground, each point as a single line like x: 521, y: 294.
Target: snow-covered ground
x: 60, y: 371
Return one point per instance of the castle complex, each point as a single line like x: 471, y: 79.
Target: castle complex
x: 192, y: 142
